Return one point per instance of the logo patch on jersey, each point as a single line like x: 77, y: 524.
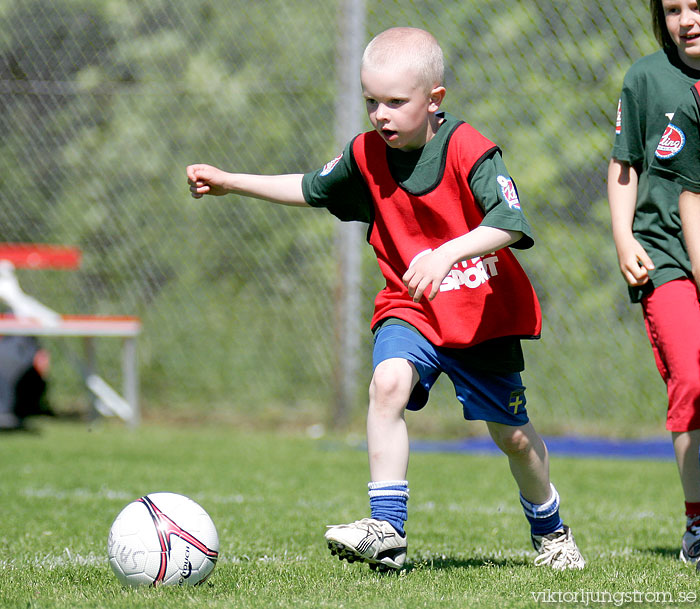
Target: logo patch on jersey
x: 328, y: 167
x: 510, y: 194
x: 672, y: 142
x: 618, y: 120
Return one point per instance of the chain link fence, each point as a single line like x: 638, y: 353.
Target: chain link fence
x: 103, y: 103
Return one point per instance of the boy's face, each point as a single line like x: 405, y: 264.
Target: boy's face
x: 683, y: 25
x: 399, y: 107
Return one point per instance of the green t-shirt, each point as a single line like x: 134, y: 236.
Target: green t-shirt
x: 680, y: 162
x: 651, y: 91
x: 340, y: 188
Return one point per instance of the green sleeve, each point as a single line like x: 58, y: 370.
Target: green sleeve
x: 628, y: 145
x: 339, y: 187
x: 495, y: 191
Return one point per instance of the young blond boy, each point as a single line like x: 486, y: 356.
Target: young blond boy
x: 442, y: 211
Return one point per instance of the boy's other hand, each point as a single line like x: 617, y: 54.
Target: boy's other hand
x: 206, y: 180
x: 428, y: 270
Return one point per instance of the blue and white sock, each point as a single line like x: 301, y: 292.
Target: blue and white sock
x: 543, y: 517
x: 388, y: 501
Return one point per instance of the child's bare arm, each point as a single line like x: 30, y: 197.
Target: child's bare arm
x: 634, y: 261
x: 428, y: 271
x: 209, y: 180
x: 689, y: 207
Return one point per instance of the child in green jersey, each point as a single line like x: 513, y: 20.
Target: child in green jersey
x: 678, y: 159
x: 647, y: 233
x: 442, y: 212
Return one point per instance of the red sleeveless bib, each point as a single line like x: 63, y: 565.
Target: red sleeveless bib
x: 481, y: 298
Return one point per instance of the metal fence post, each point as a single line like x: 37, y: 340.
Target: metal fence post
x: 349, y: 236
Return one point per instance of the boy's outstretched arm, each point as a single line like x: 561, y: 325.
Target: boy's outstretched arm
x: 208, y: 180
x: 428, y: 271
x: 689, y: 208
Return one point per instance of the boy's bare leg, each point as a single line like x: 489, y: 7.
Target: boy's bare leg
x: 529, y: 463
x: 380, y: 540
x: 686, y: 445
x: 387, y: 436
x: 527, y: 457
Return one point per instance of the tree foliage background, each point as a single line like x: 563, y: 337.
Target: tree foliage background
x: 104, y: 102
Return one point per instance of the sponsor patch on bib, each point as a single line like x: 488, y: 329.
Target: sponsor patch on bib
x: 672, y: 142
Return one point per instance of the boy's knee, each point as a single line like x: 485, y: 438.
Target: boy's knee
x: 392, y: 382
x: 511, y: 440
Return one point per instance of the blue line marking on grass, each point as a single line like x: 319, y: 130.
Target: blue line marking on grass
x: 564, y: 446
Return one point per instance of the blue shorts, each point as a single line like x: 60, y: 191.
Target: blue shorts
x: 485, y: 396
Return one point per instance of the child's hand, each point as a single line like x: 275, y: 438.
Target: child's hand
x: 427, y: 270
x: 206, y: 180
x: 635, y: 263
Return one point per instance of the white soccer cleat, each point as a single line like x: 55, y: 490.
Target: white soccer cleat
x: 690, y: 544
x: 558, y: 550
x: 375, y: 542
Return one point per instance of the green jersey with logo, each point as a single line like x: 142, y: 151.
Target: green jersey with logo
x: 678, y: 153
x: 651, y: 91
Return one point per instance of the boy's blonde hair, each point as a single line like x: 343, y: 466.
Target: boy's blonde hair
x: 411, y: 48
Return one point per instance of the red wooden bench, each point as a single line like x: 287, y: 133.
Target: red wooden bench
x: 106, y: 400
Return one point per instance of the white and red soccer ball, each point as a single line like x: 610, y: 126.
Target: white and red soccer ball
x: 163, y: 539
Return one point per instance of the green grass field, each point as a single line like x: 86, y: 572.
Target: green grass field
x: 270, y: 496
